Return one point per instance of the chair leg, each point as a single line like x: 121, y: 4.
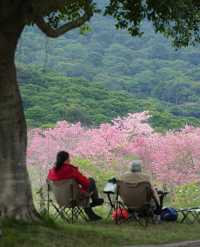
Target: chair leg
x: 69, y: 215
x: 117, y: 208
x: 77, y: 212
x: 72, y: 215
x: 82, y: 214
x: 146, y: 221
x: 48, y: 198
x: 57, y: 210
x: 119, y: 212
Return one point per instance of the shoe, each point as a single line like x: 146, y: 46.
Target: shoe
x: 91, y: 215
x: 95, y: 218
x: 97, y: 202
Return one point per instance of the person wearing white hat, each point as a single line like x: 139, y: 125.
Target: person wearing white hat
x: 137, y: 176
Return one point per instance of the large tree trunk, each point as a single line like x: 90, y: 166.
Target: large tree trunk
x: 15, y: 189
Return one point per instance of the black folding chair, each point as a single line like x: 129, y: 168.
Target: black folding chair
x: 189, y: 215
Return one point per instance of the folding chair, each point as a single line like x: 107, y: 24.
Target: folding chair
x: 189, y: 215
x: 68, y: 201
x: 137, y: 199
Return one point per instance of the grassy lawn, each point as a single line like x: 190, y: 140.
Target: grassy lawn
x: 49, y: 234
x: 102, y: 234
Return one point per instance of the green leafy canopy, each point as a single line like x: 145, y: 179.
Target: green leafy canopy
x: 178, y: 20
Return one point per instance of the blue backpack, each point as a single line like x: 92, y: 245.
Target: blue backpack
x: 169, y: 214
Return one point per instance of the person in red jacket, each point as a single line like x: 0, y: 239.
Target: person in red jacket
x: 63, y: 169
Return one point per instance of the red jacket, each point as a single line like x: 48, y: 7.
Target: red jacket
x: 68, y: 171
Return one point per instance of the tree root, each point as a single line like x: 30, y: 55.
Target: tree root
x: 26, y: 214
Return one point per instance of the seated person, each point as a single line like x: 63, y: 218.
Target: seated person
x: 63, y: 170
x: 137, y: 176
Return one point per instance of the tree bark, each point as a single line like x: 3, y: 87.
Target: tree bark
x: 15, y: 189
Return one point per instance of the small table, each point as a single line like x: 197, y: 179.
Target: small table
x: 110, y: 191
x: 112, y: 202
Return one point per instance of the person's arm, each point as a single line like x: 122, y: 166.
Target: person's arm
x: 49, y: 176
x: 155, y: 195
x: 81, y: 179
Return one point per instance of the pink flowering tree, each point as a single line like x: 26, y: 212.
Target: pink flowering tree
x: 105, y: 146
x: 172, y: 158
x: 43, y: 145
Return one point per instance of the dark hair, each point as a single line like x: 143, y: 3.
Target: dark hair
x: 62, y: 156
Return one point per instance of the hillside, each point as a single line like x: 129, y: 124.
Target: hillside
x: 49, y: 97
x: 146, y: 71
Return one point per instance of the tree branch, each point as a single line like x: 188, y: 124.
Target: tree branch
x: 56, y: 32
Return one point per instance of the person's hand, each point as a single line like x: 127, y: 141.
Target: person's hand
x: 112, y: 180
x: 163, y: 192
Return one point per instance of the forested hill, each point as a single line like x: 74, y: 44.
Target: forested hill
x: 147, y: 71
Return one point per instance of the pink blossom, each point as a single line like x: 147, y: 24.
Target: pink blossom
x: 172, y: 158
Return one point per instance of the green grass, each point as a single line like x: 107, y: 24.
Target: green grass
x: 49, y: 234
